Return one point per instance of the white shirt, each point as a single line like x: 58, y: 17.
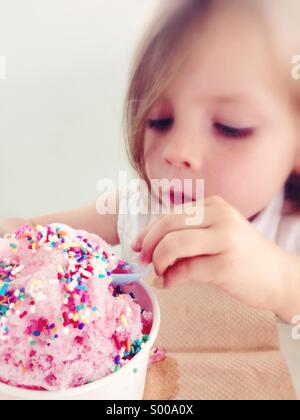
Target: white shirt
x: 281, y: 229
x: 285, y: 231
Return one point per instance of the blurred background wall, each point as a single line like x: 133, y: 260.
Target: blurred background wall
x: 61, y: 101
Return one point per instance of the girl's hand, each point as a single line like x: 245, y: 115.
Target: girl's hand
x: 225, y: 250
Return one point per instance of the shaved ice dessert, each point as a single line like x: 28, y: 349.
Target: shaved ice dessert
x: 63, y: 323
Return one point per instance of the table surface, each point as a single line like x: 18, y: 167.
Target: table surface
x: 291, y: 352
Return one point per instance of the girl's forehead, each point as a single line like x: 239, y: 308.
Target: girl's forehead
x: 223, y: 55
x: 228, y: 68
x: 228, y: 60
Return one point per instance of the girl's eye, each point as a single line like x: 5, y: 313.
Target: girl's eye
x: 232, y: 132
x: 160, y: 125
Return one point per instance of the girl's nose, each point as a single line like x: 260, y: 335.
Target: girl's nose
x: 183, y: 156
x: 176, y: 162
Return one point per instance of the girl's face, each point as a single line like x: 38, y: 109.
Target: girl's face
x: 225, y: 119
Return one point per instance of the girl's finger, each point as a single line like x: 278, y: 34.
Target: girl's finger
x: 186, y: 244
x: 160, y: 227
x: 173, y: 223
x: 200, y: 270
x: 137, y: 245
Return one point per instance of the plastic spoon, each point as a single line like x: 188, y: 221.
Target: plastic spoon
x: 137, y: 273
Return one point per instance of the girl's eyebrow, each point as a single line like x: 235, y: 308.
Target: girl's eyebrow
x: 219, y: 99
x: 229, y: 99
x: 250, y: 101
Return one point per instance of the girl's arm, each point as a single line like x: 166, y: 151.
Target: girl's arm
x: 87, y: 218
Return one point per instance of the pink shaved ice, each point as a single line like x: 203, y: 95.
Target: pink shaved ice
x: 62, y: 323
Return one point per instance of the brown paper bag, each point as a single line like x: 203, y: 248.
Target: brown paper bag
x: 217, y: 348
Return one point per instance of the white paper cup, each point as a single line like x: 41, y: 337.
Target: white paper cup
x: 126, y: 384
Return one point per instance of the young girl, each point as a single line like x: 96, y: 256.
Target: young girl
x: 212, y: 97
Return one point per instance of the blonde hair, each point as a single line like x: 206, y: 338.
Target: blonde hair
x: 167, y: 43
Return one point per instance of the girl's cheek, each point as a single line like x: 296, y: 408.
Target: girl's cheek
x: 150, y: 143
x: 152, y: 152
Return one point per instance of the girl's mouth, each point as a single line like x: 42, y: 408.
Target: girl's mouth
x: 180, y: 198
